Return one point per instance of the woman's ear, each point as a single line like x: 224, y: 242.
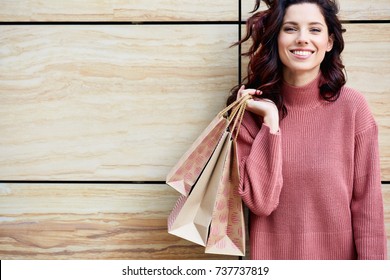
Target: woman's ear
x: 330, y: 43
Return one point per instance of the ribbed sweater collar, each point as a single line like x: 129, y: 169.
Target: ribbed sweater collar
x: 304, y: 97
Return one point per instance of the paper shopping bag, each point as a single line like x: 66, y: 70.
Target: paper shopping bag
x: 184, y: 174
x: 227, y: 229
x: 187, y: 170
x: 190, y: 218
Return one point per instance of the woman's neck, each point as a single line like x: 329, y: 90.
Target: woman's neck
x: 299, y: 79
x: 303, y: 98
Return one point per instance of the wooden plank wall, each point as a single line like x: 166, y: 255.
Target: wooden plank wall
x: 98, y: 99
x: 94, y: 104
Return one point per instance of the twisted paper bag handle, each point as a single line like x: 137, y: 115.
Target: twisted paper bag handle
x: 238, y: 109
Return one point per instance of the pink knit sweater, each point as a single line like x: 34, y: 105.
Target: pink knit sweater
x: 314, y: 189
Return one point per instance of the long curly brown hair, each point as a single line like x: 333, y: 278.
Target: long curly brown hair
x: 265, y: 66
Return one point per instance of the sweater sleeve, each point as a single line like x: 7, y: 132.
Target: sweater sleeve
x: 260, y: 157
x: 367, y: 203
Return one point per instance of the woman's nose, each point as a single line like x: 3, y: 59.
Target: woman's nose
x: 302, y: 39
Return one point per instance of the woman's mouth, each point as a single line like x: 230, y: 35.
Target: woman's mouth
x: 302, y: 53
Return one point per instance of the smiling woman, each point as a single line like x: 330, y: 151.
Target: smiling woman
x: 308, y: 145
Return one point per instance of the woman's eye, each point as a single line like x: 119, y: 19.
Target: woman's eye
x: 315, y: 30
x: 289, y: 29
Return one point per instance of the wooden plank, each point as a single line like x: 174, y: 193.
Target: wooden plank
x: 367, y: 61
x: 61, y: 221
x: 118, y: 10
x: 86, y: 221
x: 108, y: 102
x: 349, y: 9
x: 89, y: 221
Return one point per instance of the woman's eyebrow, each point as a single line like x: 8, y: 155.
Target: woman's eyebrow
x: 310, y: 23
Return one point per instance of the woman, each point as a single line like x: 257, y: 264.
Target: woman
x: 308, y: 147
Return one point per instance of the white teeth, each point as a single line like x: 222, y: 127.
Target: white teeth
x: 303, y: 53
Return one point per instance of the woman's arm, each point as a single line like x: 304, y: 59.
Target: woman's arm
x: 367, y: 203
x: 260, y: 157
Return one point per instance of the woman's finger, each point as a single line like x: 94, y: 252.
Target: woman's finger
x: 239, y: 93
x: 251, y: 92
x: 242, y: 92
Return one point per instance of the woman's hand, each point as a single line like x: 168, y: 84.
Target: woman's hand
x: 262, y: 107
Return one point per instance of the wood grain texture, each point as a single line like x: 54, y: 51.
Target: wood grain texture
x: 61, y: 221
x: 118, y: 10
x: 367, y: 60
x: 108, y: 102
x: 349, y: 9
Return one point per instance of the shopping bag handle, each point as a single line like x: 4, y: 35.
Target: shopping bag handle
x: 238, y: 109
x: 235, y: 106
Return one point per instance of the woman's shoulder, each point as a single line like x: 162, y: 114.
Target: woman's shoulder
x: 352, y: 99
x: 356, y: 103
x: 352, y: 96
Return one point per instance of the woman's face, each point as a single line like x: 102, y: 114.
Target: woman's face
x: 303, y: 41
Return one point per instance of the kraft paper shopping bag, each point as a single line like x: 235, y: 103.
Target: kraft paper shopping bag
x: 190, y: 219
x: 213, y: 191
